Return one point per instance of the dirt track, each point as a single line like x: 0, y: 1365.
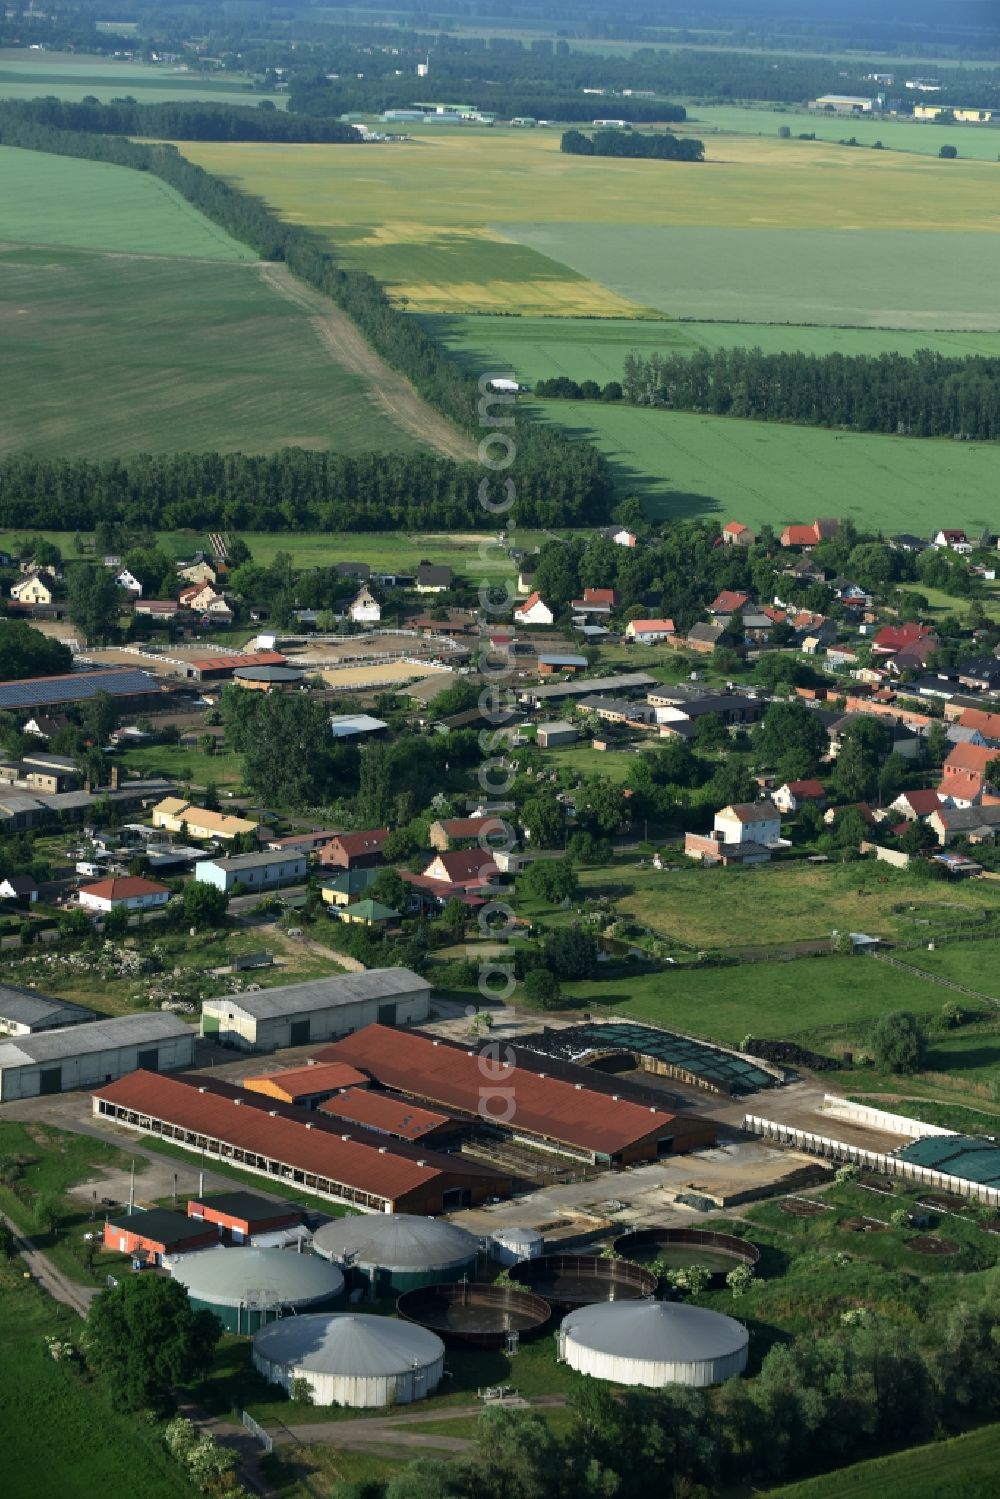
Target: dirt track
x: 388, y: 389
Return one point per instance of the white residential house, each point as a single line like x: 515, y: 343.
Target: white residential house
x: 132, y: 891
x: 955, y: 541
x: 649, y: 631
x: 32, y: 590
x: 623, y: 537
x: 534, y: 611
x: 129, y: 582
x: 205, y: 600
x: 365, y: 609
x: 750, y: 822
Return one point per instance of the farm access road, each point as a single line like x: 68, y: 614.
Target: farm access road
x: 387, y: 388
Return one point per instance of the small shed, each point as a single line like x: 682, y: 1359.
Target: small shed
x: 559, y: 731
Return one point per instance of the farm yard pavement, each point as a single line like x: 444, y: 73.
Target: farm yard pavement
x: 389, y: 390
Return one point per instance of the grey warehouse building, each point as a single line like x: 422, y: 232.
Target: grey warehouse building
x: 25, y: 1013
x: 319, y: 1010
x: 88, y: 1056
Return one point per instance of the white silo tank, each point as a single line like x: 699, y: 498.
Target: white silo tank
x: 653, y: 1343
x: 511, y: 1245
x: 351, y: 1359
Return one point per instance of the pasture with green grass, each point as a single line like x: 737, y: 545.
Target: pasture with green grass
x: 113, y: 354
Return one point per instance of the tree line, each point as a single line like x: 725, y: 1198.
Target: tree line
x: 188, y: 121
x: 921, y: 395
x: 558, y: 481
x: 664, y: 147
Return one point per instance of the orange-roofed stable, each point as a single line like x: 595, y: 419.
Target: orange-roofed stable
x: 573, y: 1116
x: 307, y: 1086
x: 387, y: 1115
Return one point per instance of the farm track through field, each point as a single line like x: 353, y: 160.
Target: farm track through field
x: 389, y: 390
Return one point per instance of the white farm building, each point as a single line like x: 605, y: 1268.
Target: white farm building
x: 351, y: 1359
x: 653, y: 1343
x: 319, y: 1010
x: 88, y: 1056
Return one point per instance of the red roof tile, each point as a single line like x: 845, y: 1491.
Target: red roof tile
x: 467, y: 1079
x: 129, y: 887
x: 380, y: 1112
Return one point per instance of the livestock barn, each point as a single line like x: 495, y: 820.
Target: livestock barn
x: 571, y: 1113
x: 292, y: 1147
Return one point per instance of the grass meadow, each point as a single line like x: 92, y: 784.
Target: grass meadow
x: 429, y: 218
x: 684, y: 465
x: 116, y: 354
x: 58, y: 200
x: 61, y: 1434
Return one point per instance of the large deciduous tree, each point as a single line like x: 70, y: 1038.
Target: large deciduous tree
x: 147, y: 1341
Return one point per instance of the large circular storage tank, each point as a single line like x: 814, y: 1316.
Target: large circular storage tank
x: 653, y: 1343
x: 247, y: 1288
x: 566, y: 1281
x: 351, y: 1359
x: 475, y: 1315
x: 509, y: 1245
x: 680, y: 1247
x: 391, y: 1253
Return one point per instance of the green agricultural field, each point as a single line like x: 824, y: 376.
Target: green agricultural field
x: 868, y: 274
x: 542, y: 348
x: 684, y: 465
x: 963, y: 1468
x: 434, y: 219
x: 924, y: 138
x: 61, y: 1434
x: 812, y: 1000
x: 72, y: 77
x: 113, y: 354
x: 58, y: 200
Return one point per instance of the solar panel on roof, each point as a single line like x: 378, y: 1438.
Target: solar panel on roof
x: 35, y: 691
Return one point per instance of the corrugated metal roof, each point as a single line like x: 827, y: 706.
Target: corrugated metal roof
x: 317, y: 1151
x: 25, y: 1007
x: 74, y: 687
x: 321, y: 994
x: 262, y: 860
x: 99, y: 1035
x: 458, y: 1078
